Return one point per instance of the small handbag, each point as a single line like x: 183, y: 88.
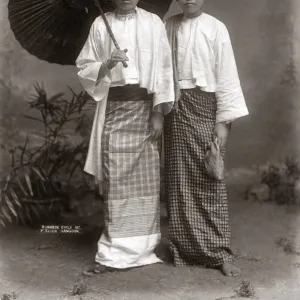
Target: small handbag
x: 213, y: 161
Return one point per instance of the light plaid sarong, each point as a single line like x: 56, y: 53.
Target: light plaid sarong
x: 131, y: 186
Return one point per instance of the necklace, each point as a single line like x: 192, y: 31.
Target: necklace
x: 123, y: 17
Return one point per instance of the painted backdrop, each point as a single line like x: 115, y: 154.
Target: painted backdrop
x: 265, y: 37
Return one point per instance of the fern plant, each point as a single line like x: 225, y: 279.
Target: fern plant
x: 41, y: 174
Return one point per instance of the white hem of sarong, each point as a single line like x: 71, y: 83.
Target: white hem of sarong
x: 129, y: 252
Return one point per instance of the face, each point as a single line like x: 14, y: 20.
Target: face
x: 191, y: 7
x: 126, y: 6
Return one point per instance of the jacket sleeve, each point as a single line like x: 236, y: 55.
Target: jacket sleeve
x: 231, y: 103
x: 93, y: 73
x: 164, y: 95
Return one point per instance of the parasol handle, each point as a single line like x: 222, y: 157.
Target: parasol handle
x: 109, y: 30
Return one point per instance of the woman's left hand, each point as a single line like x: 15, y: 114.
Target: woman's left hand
x: 157, y: 124
x: 221, y: 132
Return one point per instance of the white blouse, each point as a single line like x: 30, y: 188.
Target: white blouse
x: 206, y: 59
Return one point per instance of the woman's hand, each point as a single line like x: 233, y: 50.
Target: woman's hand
x: 157, y: 124
x: 221, y: 132
x: 116, y: 57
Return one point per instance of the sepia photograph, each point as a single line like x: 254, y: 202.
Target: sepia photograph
x: 149, y: 149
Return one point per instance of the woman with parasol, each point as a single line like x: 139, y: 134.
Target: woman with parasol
x: 133, y: 88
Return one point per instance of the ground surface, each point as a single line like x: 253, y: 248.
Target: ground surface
x: 44, y: 267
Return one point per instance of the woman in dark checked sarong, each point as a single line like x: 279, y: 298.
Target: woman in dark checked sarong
x: 209, y: 98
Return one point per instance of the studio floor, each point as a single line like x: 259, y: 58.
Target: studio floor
x: 48, y: 267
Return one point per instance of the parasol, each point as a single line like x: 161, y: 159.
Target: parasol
x: 56, y: 30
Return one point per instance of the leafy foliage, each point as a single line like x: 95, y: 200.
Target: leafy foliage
x: 282, y: 180
x: 41, y: 174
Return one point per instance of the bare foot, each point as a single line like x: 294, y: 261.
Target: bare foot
x: 95, y: 269
x: 228, y: 269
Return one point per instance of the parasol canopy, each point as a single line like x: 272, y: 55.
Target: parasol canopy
x: 56, y: 30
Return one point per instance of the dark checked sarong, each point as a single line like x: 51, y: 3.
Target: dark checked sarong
x: 199, y: 230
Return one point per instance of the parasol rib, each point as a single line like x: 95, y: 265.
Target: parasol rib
x: 109, y: 29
